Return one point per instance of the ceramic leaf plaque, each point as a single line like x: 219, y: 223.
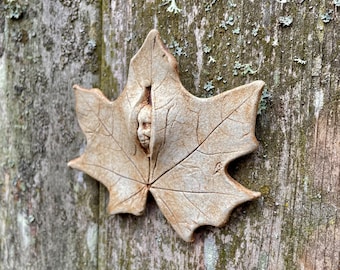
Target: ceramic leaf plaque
x: 157, y: 137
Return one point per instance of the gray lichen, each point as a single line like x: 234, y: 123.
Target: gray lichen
x: 90, y: 47
x: 224, y: 23
x: 300, y: 61
x: 285, y: 21
x: 265, y: 98
x: 208, y: 86
x: 206, y: 49
x: 232, y: 4
x: 211, y: 60
x: 15, y: 9
x: 328, y: 16
x: 209, y: 5
x: 177, y: 48
x: 173, y: 8
x: 255, y: 30
x: 244, y: 68
x: 236, y: 31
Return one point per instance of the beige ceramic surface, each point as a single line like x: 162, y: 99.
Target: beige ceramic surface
x: 158, y: 137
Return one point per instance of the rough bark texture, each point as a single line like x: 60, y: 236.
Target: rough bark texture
x: 52, y: 217
x: 48, y: 213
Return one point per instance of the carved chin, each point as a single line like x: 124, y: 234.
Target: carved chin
x: 145, y: 142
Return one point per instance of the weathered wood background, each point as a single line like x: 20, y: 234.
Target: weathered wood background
x: 52, y: 217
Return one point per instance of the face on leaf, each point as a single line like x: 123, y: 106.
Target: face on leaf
x: 144, y: 126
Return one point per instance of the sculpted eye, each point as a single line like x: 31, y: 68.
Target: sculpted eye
x: 146, y: 125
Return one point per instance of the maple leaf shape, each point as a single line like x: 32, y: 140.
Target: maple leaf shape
x: 191, y: 142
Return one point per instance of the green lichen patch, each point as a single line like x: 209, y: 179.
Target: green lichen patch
x: 327, y: 16
x: 255, y: 29
x: 208, y: 86
x: 224, y: 23
x: 245, y: 69
x: 300, y: 61
x: 286, y: 21
x: 265, y: 98
x: 15, y: 9
x: 177, y: 49
x: 236, y: 31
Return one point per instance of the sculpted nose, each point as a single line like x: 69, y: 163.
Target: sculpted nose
x: 147, y: 130
x: 140, y: 129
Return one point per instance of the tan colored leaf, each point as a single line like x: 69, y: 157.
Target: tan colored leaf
x: 157, y: 136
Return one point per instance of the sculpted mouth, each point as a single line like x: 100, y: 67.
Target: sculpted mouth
x: 144, y: 141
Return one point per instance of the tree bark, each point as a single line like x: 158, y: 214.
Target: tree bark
x: 48, y: 213
x: 52, y: 217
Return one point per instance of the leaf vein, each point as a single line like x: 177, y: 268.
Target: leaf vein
x: 190, y: 153
x: 112, y: 171
x: 114, y: 139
